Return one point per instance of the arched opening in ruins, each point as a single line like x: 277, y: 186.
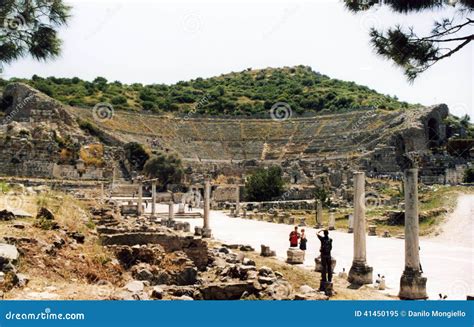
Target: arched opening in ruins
x: 433, y: 132
x: 6, y: 102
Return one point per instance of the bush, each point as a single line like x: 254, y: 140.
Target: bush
x: 167, y: 169
x: 264, y: 184
x: 119, y: 100
x: 136, y: 155
x: 469, y: 175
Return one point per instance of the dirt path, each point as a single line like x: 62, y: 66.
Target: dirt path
x: 458, y: 227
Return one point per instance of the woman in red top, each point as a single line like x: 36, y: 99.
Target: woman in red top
x: 294, y: 236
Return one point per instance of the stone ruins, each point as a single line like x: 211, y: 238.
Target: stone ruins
x: 43, y: 139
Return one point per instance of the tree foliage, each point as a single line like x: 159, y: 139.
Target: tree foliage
x: 469, y: 175
x: 415, y: 53
x: 246, y: 93
x: 29, y: 27
x: 322, y: 195
x: 264, y: 184
x: 136, y: 155
x: 166, y: 168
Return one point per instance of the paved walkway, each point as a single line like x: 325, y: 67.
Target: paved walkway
x: 447, y: 263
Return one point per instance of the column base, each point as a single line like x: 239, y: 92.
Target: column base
x: 318, y: 226
x: 412, y: 285
x: 360, y: 274
x: 206, y: 233
x: 350, y: 230
x: 331, y: 228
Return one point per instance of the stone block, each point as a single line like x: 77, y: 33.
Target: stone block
x: 294, y: 256
x: 372, y: 230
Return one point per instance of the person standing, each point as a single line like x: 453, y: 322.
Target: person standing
x: 294, y: 236
x: 303, y: 241
x: 325, y: 250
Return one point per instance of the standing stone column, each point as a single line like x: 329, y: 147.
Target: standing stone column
x: 237, y: 201
x: 171, y: 210
x: 206, y: 230
x: 332, y: 221
x: 153, y: 198
x: 319, y: 214
x: 350, y: 229
x: 412, y: 283
x: 140, y: 198
x: 360, y: 272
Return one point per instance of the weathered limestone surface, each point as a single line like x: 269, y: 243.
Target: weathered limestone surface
x: 412, y: 283
x: 360, y: 273
x: 195, y: 248
x: 294, y: 256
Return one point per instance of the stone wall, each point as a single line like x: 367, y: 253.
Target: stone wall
x: 196, y: 249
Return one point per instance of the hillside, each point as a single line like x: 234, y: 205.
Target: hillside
x: 246, y: 93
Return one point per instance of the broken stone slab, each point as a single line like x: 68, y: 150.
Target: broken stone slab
x: 6, y: 215
x: 45, y: 213
x: 294, y: 256
x: 228, y: 290
x: 198, y: 231
x: 246, y: 248
x: 8, y: 253
x: 266, y: 251
x: 19, y: 213
x: 372, y: 230
x: 135, y: 286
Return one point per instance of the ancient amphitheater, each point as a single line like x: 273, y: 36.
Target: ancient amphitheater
x: 378, y: 141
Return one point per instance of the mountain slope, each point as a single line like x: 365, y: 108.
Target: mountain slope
x: 246, y: 93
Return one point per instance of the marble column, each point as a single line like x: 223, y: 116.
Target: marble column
x: 332, y: 221
x: 360, y: 273
x: 140, y: 198
x: 351, y: 224
x: 319, y: 214
x: 153, y: 198
x: 206, y: 230
x: 237, y: 201
x: 171, y: 210
x: 412, y: 283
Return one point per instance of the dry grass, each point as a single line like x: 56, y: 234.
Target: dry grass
x: 298, y: 276
x: 80, y: 266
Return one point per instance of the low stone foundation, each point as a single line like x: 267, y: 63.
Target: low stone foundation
x: 196, y: 249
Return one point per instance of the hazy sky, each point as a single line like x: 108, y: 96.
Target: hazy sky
x: 165, y: 42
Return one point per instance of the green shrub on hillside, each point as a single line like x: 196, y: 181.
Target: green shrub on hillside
x: 246, y: 93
